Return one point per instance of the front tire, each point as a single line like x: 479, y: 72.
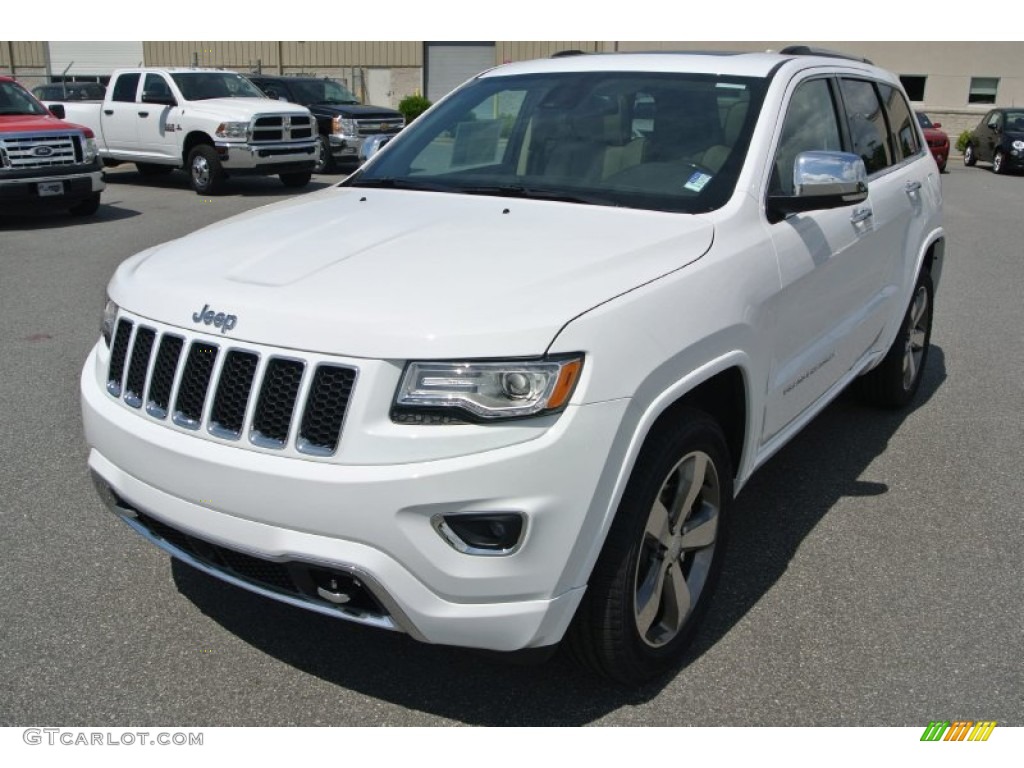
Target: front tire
x: 324, y: 159
x: 660, y: 563
x: 895, y: 381
x: 999, y: 162
x: 205, y: 172
x: 296, y: 180
x: 969, y: 157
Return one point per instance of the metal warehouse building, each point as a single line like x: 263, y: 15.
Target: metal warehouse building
x: 954, y: 81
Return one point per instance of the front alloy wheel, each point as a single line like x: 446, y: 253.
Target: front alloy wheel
x: 999, y: 162
x: 660, y: 561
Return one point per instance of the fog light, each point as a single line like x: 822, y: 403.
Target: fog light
x: 490, y: 533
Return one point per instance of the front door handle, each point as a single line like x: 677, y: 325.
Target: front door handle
x: 108, y: 111
x: 143, y: 114
x: 861, y: 214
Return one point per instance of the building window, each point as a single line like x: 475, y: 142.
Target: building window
x: 983, y: 90
x: 914, y: 86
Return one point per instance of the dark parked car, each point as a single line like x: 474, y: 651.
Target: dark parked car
x: 70, y: 92
x: 343, y: 122
x: 998, y: 139
x: 938, y: 141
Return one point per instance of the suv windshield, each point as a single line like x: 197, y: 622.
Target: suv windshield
x: 671, y: 142
x: 321, y: 92
x: 15, y: 100
x: 197, y: 86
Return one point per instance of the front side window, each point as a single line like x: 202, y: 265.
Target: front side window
x: 126, y: 86
x: 198, y: 86
x: 810, y: 125
x: 659, y: 141
x: 866, y: 119
x: 155, y: 85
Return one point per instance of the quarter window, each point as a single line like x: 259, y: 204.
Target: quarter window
x: 868, y: 131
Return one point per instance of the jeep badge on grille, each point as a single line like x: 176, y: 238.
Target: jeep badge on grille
x: 217, y: 319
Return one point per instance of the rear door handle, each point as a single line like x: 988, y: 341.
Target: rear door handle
x: 861, y: 214
x: 143, y: 114
x: 108, y: 111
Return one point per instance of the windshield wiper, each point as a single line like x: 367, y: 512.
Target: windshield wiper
x: 533, y: 193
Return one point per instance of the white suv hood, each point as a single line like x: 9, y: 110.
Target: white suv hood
x: 399, y: 274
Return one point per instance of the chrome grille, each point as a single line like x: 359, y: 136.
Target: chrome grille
x: 24, y: 152
x: 271, y: 128
x: 276, y: 401
x: 375, y: 126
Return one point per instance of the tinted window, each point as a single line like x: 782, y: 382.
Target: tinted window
x: 155, y: 85
x: 867, y: 124
x: 126, y: 86
x: 811, y: 124
x: 197, y: 86
x: 901, y: 123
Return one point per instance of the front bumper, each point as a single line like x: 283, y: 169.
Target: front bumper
x: 22, y: 188
x: 345, y: 147
x: 370, y: 522
x: 269, y: 157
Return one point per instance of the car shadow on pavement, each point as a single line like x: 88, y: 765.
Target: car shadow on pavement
x: 235, y: 186
x: 57, y: 219
x: 772, y: 518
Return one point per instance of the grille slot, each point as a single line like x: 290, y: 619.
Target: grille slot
x: 40, y: 151
x: 276, y: 403
x: 195, y: 381
x: 231, y: 392
x: 228, y: 413
x: 328, y: 398
x: 118, y: 354
x: 136, y: 381
x: 163, y: 376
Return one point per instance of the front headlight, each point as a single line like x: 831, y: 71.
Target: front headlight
x: 233, y: 131
x: 344, y: 126
x: 107, y: 324
x: 89, y: 151
x: 1018, y: 145
x: 484, y: 391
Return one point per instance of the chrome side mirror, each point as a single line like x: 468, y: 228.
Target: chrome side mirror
x: 821, y: 180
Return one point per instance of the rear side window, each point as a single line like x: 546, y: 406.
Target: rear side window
x: 905, y: 142
x: 126, y: 86
x: 866, y: 119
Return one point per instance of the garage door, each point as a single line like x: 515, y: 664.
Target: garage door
x: 94, y: 57
x: 451, y: 64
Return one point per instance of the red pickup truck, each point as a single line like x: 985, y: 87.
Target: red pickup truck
x: 44, y: 161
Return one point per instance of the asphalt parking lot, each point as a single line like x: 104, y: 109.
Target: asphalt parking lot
x: 873, y: 577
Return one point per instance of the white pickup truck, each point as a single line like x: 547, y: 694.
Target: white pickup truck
x: 212, y: 123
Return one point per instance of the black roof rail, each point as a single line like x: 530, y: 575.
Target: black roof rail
x: 807, y: 50
x: 570, y: 52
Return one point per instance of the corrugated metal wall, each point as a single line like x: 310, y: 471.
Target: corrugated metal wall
x: 26, y: 54
x: 309, y: 55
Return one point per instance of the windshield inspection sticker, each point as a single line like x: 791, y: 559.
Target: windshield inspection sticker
x: 697, y: 181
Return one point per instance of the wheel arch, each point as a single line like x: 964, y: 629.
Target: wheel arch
x: 193, y: 140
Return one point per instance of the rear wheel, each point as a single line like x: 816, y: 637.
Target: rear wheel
x: 895, y: 381
x: 205, y: 172
x: 651, y: 584
x: 324, y: 159
x: 969, y: 157
x: 296, y: 180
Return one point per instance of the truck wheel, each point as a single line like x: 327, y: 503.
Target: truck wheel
x: 654, y: 577
x: 152, y: 169
x: 86, y: 207
x: 296, y: 180
x: 324, y: 159
x: 894, y: 382
x: 205, y: 172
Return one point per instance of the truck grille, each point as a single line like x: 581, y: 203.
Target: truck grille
x: 376, y: 126
x: 25, y: 152
x: 268, y: 128
x: 274, y: 400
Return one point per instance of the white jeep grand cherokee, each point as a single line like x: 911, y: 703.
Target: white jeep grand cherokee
x: 500, y: 387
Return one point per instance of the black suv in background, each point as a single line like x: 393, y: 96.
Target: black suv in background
x: 344, y: 123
